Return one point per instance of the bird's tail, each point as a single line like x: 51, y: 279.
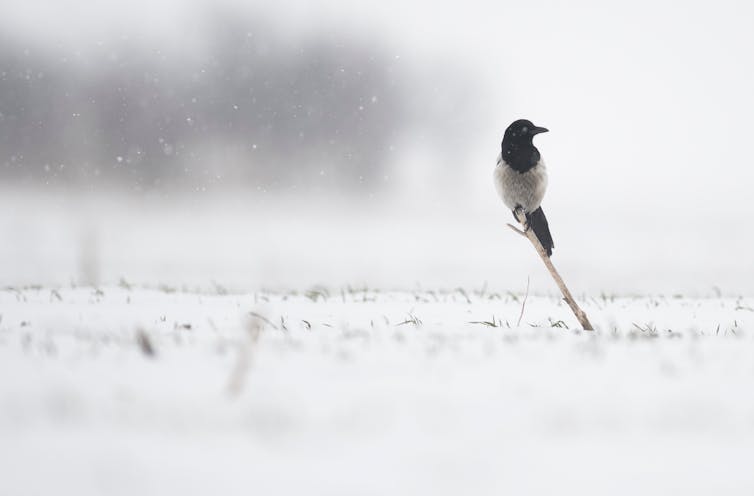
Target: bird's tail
x: 538, y: 222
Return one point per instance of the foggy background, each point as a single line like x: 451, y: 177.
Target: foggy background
x: 241, y: 145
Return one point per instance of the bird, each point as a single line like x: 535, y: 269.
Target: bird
x: 521, y: 178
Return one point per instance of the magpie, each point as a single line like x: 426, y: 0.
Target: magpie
x: 521, y: 178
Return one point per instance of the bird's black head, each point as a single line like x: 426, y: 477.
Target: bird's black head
x: 517, y: 148
x: 522, y: 132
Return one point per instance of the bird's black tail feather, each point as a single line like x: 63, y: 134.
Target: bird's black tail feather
x: 538, y: 222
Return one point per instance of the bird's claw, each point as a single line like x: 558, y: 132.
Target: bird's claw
x: 525, y: 223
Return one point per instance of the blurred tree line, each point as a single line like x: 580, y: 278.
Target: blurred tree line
x: 251, y: 107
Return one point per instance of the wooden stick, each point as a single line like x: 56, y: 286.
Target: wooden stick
x: 567, y: 296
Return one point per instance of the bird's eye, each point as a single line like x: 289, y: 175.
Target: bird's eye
x: 524, y: 129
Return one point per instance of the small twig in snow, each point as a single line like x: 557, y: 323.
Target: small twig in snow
x: 238, y: 375
x: 523, y: 305
x: 145, y: 344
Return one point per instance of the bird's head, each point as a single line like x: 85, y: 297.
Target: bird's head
x: 521, y: 132
x: 518, y: 151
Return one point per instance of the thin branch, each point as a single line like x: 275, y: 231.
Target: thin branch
x: 519, y: 231
x: 567, y: 296
x: 523, y: 305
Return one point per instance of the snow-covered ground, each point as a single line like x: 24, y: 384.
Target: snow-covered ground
x: 357, y: 391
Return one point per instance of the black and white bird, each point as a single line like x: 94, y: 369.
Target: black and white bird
x: 521, y: 178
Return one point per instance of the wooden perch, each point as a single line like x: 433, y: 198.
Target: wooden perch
x: 567, y: 296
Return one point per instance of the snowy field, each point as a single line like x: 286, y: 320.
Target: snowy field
x: 254, y: 248
x: 122, y: 390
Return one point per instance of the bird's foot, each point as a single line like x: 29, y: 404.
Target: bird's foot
x: 519, y: 213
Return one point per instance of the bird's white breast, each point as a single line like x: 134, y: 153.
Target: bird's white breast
x: 525, y: 189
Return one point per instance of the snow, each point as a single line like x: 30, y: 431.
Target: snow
x: 359, y: 391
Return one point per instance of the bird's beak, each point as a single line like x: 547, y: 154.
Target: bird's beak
x: 537, y: 130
